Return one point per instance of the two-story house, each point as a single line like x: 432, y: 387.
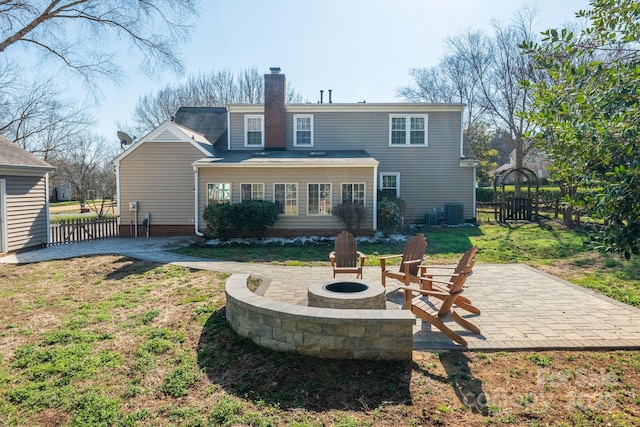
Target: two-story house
x: 306, y: 157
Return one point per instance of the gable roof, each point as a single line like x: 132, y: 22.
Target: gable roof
x: 14, y: 157
x: 209, y: 121
x: 169, y: 131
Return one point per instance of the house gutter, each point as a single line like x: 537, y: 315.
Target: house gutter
x: 195, y: 198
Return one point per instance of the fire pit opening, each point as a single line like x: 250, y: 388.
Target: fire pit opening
x: 346, y: 287
x: 347, y: 294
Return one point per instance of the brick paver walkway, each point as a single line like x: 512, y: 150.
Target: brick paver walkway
x: 522, y: 308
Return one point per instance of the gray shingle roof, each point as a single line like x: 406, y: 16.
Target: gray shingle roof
x: 209, y: 121
x: 302, y: 158
x: 12, y: 155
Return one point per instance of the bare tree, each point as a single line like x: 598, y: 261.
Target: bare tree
x: 37, y: 118
x: 250, y: 86
x: 78, y: 34
x: 486, y: 73
x: 505, y: 97
x: 453, y: 80
x: 83, y: 164
x: 212, y: 89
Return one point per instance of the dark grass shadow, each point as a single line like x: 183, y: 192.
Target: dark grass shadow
x: 291, y: 380
x: 468, y: 389
x: 128, y: 266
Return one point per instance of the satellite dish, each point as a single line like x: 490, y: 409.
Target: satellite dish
x: 124, y: 138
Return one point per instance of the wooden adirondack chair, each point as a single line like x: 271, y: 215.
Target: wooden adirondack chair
x: 435, y: 306
x: 409, y: 269
x: 429, y: 275
x: 346, y: 258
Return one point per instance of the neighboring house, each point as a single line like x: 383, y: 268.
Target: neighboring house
x: 535, y: 160
x: 59, y: 193
x: 24, y: 208
x: 307, y: 158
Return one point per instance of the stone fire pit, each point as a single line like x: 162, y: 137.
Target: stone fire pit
x: 351, y: 294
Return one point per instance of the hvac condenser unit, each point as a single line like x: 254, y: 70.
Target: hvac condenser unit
x: 454, y: 213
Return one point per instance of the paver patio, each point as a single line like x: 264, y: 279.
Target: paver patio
x: 522, y: 308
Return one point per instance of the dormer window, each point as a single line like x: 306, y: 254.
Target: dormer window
x: 254, y: 130
x: 303, y: 130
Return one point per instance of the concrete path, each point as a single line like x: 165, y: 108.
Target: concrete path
x: 522, y: 308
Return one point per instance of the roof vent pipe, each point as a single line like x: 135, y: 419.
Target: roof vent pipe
x: 321, y: 93
x: 330, y: 90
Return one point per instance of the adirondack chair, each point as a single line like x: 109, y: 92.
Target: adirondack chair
x: 436, y: 306
x: 429, y: 275
x: 409, y: 269
x: 346, y: 258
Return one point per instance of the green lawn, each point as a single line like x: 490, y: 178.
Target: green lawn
x: 109, y: 340
x: 564, y: 253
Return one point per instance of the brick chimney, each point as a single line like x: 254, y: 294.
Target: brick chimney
x: 274, y: 112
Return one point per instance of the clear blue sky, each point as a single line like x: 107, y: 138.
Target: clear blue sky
x: 361, y: 49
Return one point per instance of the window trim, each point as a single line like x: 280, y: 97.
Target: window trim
x: 319, y: 200
x: 219, y: 183
x: 397, y: 175
x: 364, y: 184
x: 252, y: 184
x: 297, y: 198
x: 407, y: 137
x: 295, y: 129
x: 246, y: 130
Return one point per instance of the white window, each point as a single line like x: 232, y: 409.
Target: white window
x: 390, y: 184
x: 353, y: 193
x: 408, y: 129
x: 251, y: 192
x: 286, y: 197
x: 254, y: 130
x: 319, y: 200
x: 218, y: 193
x: 303, y: 130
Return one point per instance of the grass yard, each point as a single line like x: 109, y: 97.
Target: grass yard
x: 545, y: 246
x: 114, y: 341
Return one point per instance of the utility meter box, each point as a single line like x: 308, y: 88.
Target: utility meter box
x: 133, y: 206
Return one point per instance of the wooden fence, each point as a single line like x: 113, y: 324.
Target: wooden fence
x: 82, y: 230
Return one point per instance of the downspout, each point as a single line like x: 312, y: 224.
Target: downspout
x: 375, y: 198
x: 195, y: 198
x: 475, y: 203
x: 46, y: 185
x: 116, y: 166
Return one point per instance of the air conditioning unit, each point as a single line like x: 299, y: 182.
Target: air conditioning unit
x: 431, y: 218
x: 454, y: 213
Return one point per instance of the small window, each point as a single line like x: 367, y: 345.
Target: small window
x: 407, y: 129
x: 390, y: 184
x: 353, y: 193
x: 251, y: 192
x: 253, y: 131
x: 303, y: 130
x: 286, y: 197
x: 319, y: 199
x: 218, y: 193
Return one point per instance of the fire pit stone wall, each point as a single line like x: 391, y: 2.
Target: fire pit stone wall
x: 322, y: 332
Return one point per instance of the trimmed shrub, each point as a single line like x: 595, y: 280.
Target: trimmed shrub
x: 351, y: 214
x: 218, y: 219
x: 254, y: 216
x: 389, y: 216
